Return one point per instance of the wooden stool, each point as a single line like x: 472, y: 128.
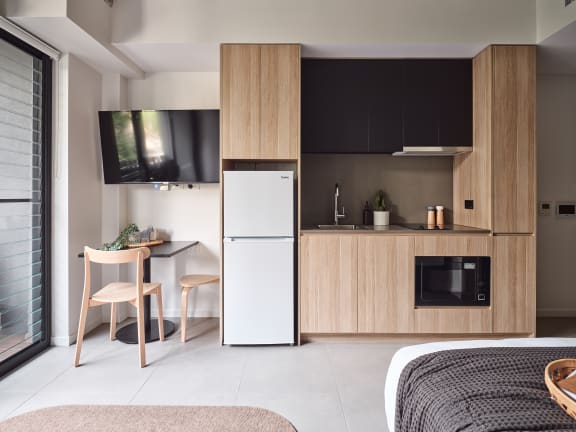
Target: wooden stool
x: 187, y: 282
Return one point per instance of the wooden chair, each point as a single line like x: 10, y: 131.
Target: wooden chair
x: 188, y: 282
x: 117, y: 292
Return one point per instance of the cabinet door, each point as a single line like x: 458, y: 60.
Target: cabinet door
x: 513, y: 125
x: 420, y: 105
x: 385, y: 284
x: 384, y: 94
x: 328, y: 284
x: 280, y: 102
x: 334, y: 114
x: 514, y: 284
x: 240, y: 101
x: 438, y: 103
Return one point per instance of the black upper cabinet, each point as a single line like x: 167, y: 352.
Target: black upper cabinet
x: 351, y: 106
x: 437, y: 103
x: 379, y: 106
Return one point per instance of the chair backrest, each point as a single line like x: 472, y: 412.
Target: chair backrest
x: 116, y: 257
x: 137, y: 255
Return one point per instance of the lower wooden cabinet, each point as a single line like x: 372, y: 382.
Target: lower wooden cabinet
x: 328, y: 284
x: 385, y: 284
x: 355, y: 283
x: 514, y: 284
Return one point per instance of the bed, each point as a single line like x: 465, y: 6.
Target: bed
x: 413, y: 359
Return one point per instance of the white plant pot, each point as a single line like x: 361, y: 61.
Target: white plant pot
x: 381, y: 217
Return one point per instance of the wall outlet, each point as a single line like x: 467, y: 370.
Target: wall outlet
x: 545, y: 208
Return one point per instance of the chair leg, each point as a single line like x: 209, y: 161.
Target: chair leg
x: 80, y: 336
x: 141, y: 334
x: 160, y: 313
x: 113, y: 314
x: 184, y: 313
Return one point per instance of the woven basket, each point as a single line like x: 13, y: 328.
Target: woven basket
x: 556, y: 372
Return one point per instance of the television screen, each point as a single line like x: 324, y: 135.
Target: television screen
x: 176, y: 146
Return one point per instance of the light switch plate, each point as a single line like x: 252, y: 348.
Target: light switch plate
x: 545, y: 208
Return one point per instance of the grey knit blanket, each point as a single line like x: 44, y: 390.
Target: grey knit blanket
x: 483, y: 389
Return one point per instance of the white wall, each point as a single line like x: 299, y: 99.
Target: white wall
x: 76, y: 194
x: 181, y: 214
x: 556, y: 145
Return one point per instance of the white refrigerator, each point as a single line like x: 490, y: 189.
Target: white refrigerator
x: 258, y: 280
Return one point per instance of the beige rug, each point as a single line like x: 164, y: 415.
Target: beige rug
x: 134, y: 418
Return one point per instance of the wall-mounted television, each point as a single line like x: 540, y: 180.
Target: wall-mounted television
x: 174, y: 146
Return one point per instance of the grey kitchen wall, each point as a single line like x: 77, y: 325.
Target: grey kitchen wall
x: 409, y: 184
x: 556, y: 156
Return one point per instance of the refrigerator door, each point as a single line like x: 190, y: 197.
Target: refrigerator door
x: 258, y: 291
x: 258, y: 204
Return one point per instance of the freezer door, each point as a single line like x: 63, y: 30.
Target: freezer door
x: 258, y: 291
x: 258, y: 204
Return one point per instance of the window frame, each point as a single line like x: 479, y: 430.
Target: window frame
x: 33, y: 350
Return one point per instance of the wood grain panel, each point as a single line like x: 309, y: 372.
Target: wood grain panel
x: 473, y: 171
x: 452, y: 245
x: 280, y: 101
x: 513, y: 130
x: 329, y: 294
x: 240, y: 101
x: 514, y: 284
x: 454, y: 320
x: 385, y: 284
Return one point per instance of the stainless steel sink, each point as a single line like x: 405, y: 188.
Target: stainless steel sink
x: 339, y: 227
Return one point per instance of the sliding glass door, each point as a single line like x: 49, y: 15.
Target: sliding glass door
x: 25, y: 119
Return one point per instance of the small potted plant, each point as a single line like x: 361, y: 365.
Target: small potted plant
x: 381, y: 215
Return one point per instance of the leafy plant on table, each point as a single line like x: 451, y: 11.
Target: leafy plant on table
x: 122, y: 240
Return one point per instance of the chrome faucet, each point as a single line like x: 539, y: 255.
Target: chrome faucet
x: 336, y: 214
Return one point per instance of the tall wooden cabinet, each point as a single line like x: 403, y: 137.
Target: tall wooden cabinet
x: 260, y: 101
x: 498, y: 177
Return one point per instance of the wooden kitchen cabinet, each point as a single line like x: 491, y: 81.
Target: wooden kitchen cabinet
x: 260, y: 101
x: 514, y: 284
x: 385, y: 284
x: 513, y: 138
x: 328, y: 284
x: 499, y: 175
x: 450, y: 245
x: 456, y: 320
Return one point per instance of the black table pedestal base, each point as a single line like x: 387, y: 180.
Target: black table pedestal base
x: 129, y: 334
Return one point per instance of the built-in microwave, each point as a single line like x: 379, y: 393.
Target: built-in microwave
x: 452, y: 281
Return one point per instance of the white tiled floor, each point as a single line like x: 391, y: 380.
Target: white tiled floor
x: 317, y: 386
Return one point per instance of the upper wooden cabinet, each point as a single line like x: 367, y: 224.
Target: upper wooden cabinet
x: 499, y: 175
x: 260, y: 101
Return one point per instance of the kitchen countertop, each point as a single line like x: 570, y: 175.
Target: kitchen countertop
x: 393, y: 229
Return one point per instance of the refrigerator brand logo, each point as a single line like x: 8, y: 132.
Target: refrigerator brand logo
x: 284, y: 177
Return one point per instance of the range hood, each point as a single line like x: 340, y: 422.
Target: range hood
x: 432, y: 151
